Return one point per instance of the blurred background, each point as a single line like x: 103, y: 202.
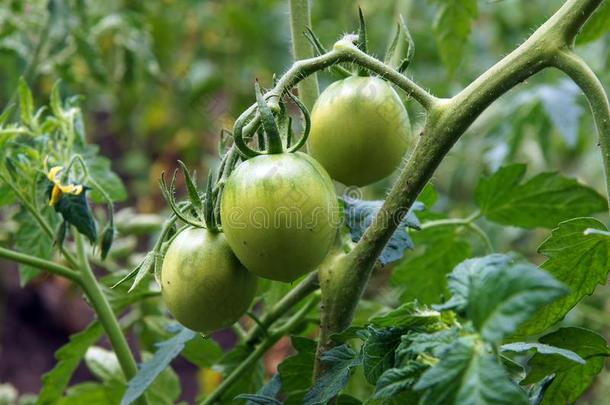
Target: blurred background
x: 161, y: 78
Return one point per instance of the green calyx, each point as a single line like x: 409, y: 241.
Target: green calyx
x: 270, y: 139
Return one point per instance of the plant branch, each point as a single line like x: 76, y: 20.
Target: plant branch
x: 300, y: 19
x: 41, y: 264
x: 104, y: 312
x: 583, y: 76
x: 296, y: 295
x: 446, y: 122
x: 260, y: 351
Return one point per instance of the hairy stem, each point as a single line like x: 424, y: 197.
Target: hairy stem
x: 592, y: 88
x: 300, y: 19
x: 447, y: 121
x: 41, y: 264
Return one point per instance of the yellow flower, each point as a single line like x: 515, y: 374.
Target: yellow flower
x: 58, y: 189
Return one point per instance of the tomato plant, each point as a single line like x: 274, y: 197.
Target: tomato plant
x: 468, y: 283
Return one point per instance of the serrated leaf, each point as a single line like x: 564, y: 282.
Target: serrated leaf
x: 340, y: 360
x: 498, y: 294
x: 359, y: 214
x: 258, y: 399
x: 452, y: 25
x: 266, y: 395
x: 543, y: 201
x: 378, y: 351
x: 571, y: 379
x: 580, y: 261
x: 468, y: 375
x: 408, y: 316
x: 30, y: 239
x: 542, y: 349
x: 151, y: 369
x: 422, y: 276
x: 251, y: 380
x: 192, y: 189
x: 76, y: 211
x: 68, y: 358
x: 396, y: 380
x: 596, y: 26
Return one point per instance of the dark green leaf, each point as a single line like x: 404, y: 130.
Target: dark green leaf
x: 396, y: 380
x: 543, y: 201
x: 498, y: 293
x: 581, y: 261
x: 359, y: 214
x: 340, y: 360
x: 296, y: 371
x: 266, y: 395
x: 151, y: 369
x: 571, y: 379
x: 76, y: 211
x: 422, y: 275
x: 106, y: 241
x: 100, y: 170
x: 378, y: 351
x: 468, y: 375
x: 251, y: 381
x: 202, y: 352
x: 68, y: 358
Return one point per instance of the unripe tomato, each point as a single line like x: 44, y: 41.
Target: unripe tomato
x: 280, y: 214
x: 360, y: 130
x: 203, y: 284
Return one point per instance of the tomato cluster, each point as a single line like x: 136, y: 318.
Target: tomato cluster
x: 278, y: 208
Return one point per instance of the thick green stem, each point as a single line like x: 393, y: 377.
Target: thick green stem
x: 447, y: 121
x: 104, y: 312
x: 592, y: 88
x: 300, y: 19
x: 41, y: 264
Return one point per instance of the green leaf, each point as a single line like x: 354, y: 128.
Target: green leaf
x: 100, y: 170
x: 296, y: 371
x: 499, y: 294
x: 192, y: 189
x: 422, y: 276
x: 469, y: 375
x: 409, y: 315
x: 542, y: 349
x: 7, y: 197
x: 266, y: 395
x: 397, y: 380
x: 571, y: 379
x: 68, y: 358
x: 543, y: 201
x: 596, y: 26
x: 378, y: 351
x: 359, y: 214
x: 340, y: 360
x: 76, y: 211
x: 151, y: 369
x: 90, y: 393
x: 250, y: 382
x: 452, y: 25
x: 580, y: 260
x: 31, y: 239
x: 202, y: 352
x: 26, y: 102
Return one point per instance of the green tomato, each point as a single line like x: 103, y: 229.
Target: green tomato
x: 360, y: 130
x: 203, y: 284
x: 280, y: 214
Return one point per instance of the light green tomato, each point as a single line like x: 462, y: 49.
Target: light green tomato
x: 203, y: 284
x: 280, y: 214
x: 360, y: 130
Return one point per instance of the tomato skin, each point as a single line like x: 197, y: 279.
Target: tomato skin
x: 280, y: 214
x: 203, y: 284
x: 360, y: 130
